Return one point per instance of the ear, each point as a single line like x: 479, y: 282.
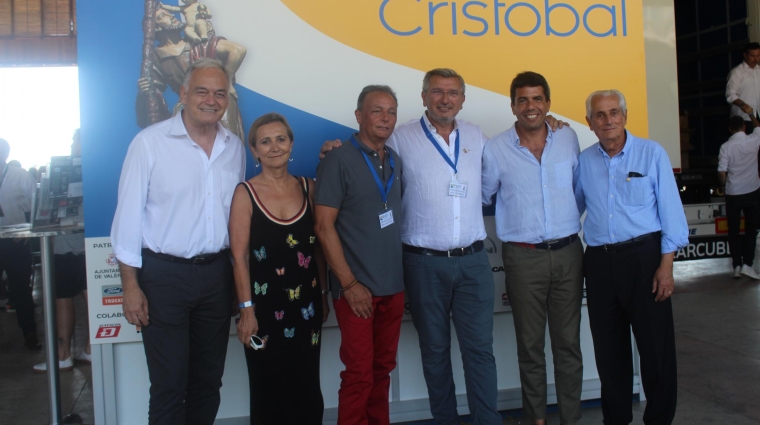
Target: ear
x: 422, y: 95
x: 182, y: 94
x: 358, y: 115
x: 589, y: 123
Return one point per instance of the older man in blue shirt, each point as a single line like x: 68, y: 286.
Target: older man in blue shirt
x: 532, y: 169
x: 635, y: 223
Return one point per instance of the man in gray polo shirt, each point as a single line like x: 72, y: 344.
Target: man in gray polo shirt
x: 357, y: 213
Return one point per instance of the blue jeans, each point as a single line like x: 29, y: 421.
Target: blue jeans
x: 461, y: 287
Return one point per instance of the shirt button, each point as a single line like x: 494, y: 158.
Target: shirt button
x: 381, y: 167
x: 610, y: 215
x: 209, y: 217
x: 544, y: 185
x: 612, y: 177
x: 612, y: 196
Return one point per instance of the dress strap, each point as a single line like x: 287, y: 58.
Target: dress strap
x: 305, y: 188
x: 250, y: 190
x: 304, y: 185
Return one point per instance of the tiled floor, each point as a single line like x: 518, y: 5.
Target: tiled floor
x: 717, y: 323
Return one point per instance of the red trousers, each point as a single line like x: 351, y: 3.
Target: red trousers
x: 368, y: 350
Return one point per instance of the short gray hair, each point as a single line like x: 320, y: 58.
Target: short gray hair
x: 606, y: 93
x: 206, y: 63
x: 444, y: 73
x: 374, y: 88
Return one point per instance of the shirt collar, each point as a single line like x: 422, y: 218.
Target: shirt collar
x: 178, y: 129
x: 432, y: 128
x: 739, y: 135
x: 366, y: 149
x: 629, y: 140
x: 515, y: 138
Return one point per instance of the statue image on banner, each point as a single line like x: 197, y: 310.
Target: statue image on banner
x: 197, y: 24
x: 167, y: 54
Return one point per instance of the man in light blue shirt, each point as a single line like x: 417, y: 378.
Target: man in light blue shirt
x: 635, y: 222
x: 532, y: 169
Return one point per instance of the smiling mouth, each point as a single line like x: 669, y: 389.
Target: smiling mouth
x: 208, y: 110
x: 531, y: 116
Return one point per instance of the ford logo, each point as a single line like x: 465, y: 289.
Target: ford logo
x: 112, y: 290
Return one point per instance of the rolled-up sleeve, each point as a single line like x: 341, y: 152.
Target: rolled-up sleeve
x: 723, y: 159
x: 732, y: 88
x: 127, y: 226
x: 675, y: 230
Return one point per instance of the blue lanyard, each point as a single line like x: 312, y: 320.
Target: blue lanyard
x: 383, y: 191
x: 445, y: 156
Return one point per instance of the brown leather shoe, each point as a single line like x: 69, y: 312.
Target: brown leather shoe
x: 31, y: 342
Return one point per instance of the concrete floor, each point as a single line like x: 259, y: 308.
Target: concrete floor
x: 24, y: 393
x: 717, y: 321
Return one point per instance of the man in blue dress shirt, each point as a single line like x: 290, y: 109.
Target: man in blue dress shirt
x: 635, y: 223
x: 532, y: 169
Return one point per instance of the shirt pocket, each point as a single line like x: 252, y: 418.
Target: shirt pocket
x: 635, y: 190
x: 563, y: 174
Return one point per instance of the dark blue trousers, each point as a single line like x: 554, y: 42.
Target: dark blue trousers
x: 186, y: 340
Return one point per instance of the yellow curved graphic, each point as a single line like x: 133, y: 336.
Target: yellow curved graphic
x: 578, y: 45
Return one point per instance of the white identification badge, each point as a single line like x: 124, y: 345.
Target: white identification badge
x: 457, y: 188
x: 386, y: 218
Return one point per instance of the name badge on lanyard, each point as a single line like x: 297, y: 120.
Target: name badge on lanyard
x: 456, y: 187
x: 386, y: 215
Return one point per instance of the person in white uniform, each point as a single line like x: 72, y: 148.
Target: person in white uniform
x: 737, y: 171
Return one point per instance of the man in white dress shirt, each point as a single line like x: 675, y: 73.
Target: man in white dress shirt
x: 447, y: 273
x: 170, y: 236
x: 743, y: 88
x: 737, y: 172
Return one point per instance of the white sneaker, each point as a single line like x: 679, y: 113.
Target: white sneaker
x: 63, y: 366
x: 83, y: 358
x: 749, y: 272
x: 737, y: 272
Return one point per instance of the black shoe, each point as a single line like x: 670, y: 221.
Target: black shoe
x: 31, y: 342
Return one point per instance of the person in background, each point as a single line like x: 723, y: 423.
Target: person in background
x: 743, y: 88
x: 16, y: 189
x: 280, y: 278
x: 737, y: 172
x: 70, y: 281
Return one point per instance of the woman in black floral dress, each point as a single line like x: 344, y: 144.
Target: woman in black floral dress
x: 278, y: 271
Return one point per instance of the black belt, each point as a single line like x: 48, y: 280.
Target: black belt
x: 622, y: 246
x: 456, y: 252
x: 553, y: 244
x: 198, y: 260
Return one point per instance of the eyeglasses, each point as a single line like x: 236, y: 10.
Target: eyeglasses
x: 259, y: 343
x: 454, y: 94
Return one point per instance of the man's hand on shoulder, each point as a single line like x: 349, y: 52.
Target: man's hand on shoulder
x: 328, y: 146
x: 555, y: 123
